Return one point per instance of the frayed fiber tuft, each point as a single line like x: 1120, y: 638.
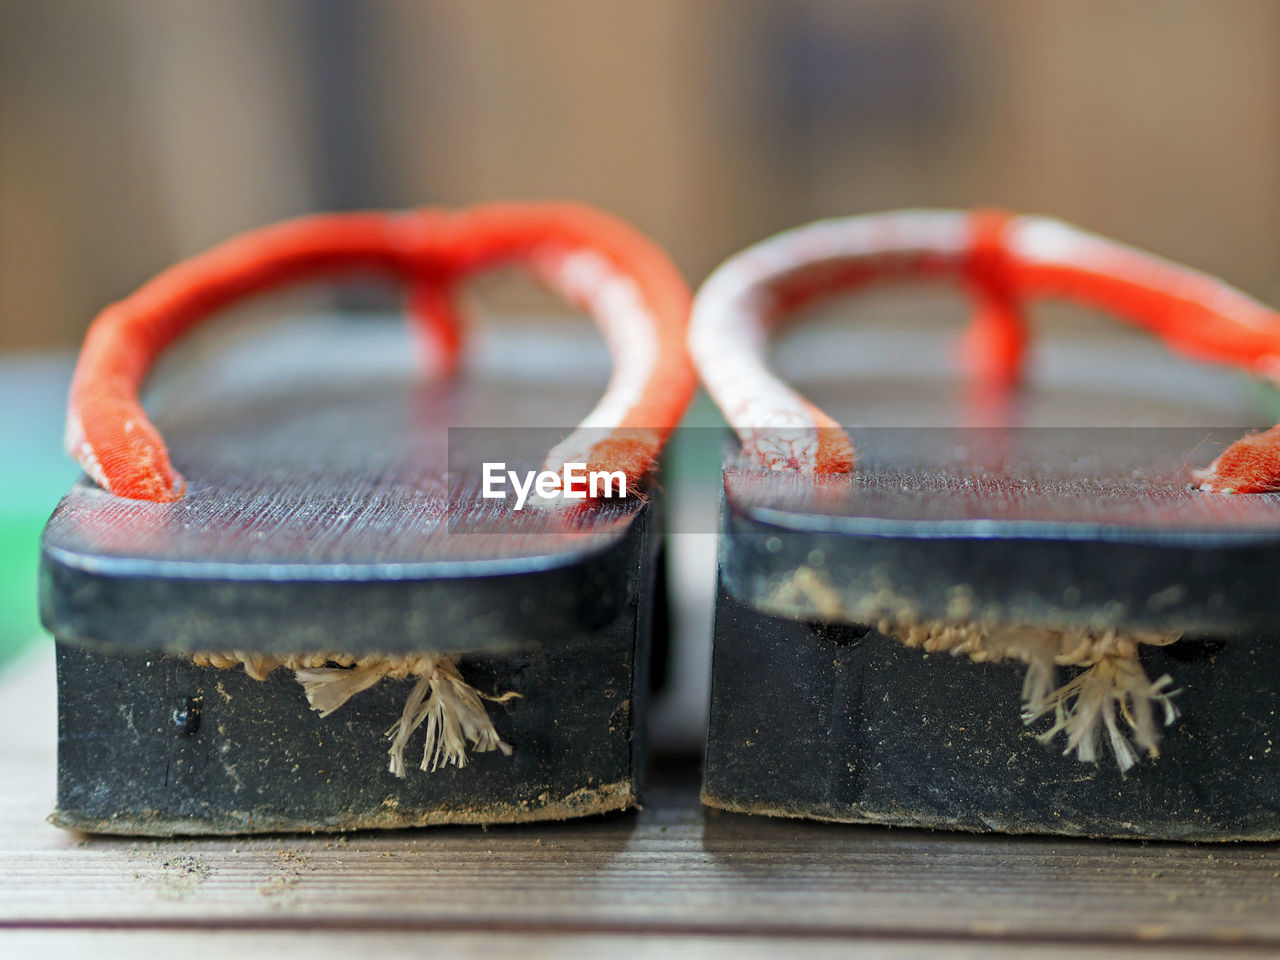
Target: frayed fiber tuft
x: 452, y: 710
x: 1111, y: 687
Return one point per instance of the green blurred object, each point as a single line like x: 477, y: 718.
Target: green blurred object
x: 33, y: 391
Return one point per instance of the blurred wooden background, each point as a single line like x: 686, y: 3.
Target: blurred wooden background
x: 136, y: 131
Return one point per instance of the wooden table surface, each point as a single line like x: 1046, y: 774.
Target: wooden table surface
x: 673, y: 879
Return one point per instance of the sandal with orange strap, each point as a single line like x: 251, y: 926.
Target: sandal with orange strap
x: 310, y: 526
x: 1101, y: 546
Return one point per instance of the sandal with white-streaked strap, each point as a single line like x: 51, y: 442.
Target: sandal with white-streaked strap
x: 899, y: 503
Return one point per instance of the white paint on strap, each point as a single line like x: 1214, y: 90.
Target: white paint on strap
x: 588, y: 279
x: 728, y: 333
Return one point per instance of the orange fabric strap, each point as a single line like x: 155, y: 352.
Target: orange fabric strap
x: 626, y: 282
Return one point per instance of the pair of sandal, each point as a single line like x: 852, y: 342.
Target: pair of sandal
x: 338, y: 535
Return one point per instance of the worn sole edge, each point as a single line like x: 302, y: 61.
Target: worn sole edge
x: 583, y: 802
x: 866, y: 817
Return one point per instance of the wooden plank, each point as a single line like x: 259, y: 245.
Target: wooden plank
x: 996, y: 505
x: 674, y: 870
x: 328, y: 945
x: 342, y: 505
